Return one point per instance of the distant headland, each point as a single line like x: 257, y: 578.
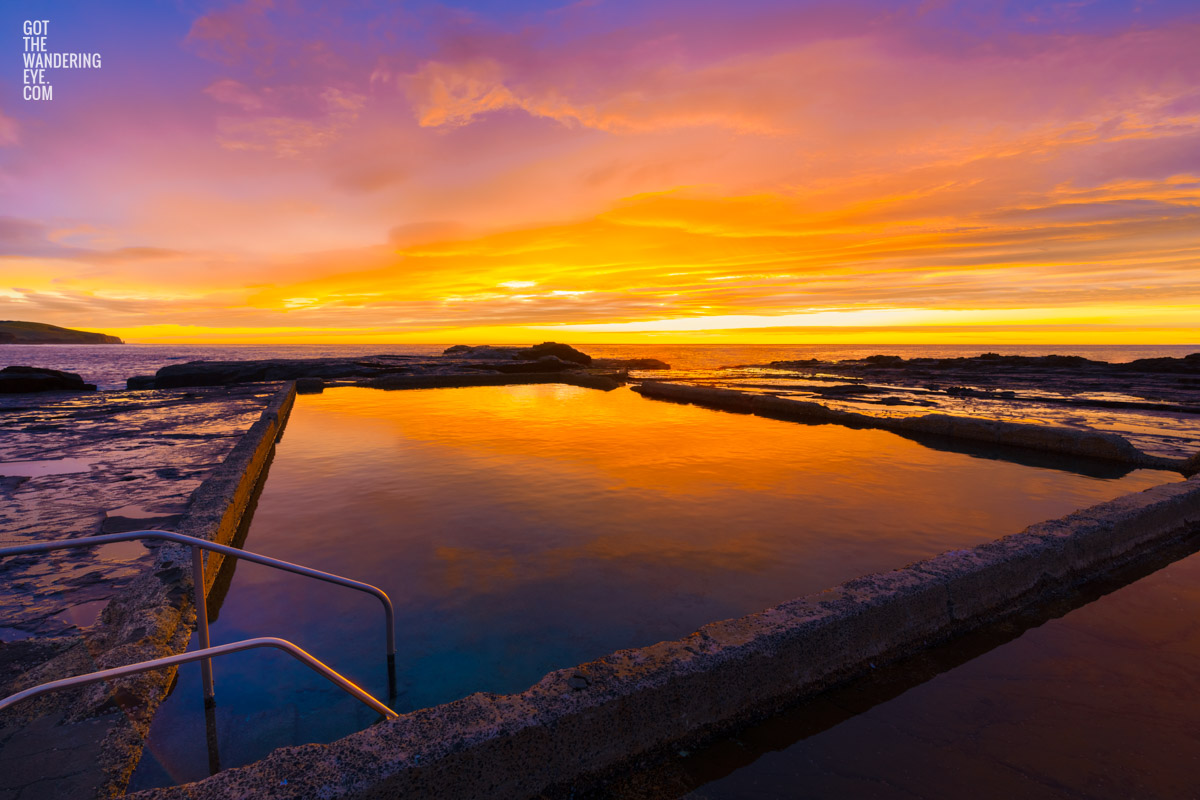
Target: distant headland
x: 14, y: 332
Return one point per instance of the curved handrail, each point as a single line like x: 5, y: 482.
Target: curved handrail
x: 192, y: 541
x: 197, y: 655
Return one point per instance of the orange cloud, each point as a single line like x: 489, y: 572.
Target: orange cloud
x: 798, y: 170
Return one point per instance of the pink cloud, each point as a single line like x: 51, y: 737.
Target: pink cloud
x: 232, y: 33
x: 234, y: 93
x: 8, y: 130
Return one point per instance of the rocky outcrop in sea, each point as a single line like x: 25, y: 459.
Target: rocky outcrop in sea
x: 547, y: 357
x: 19, y: 379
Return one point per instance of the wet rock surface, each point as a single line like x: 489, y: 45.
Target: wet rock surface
x: 1154, y: 402
x: 76, y: 466
x: 1161, y: 381
x: 191, y: 459
x: 226, y: 373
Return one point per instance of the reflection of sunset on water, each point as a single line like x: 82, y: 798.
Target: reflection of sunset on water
x: 482, y: 504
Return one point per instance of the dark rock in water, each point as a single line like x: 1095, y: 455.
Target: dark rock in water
x: 486, y: 351
x: 224, y: 373
x: 1189, y: 364
x: 37, y: 379
x: 310, y: 385
x: 563, y: 351
x: 884, y: 360
x: 1066, y: 361
x: 629, y: 363
x: 548, y: 357
x: 140, y: 382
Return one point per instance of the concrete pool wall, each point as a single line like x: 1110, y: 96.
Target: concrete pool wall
x: 600, y: 715
x: 159, y: 605
x: 157, y: 609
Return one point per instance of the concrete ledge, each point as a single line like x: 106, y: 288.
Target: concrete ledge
x: 153, y: 616
x: 1044, y: 438
x: 216, y: 507
x: 598, y: 716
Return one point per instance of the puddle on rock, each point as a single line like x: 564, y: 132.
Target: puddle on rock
x: 82, y: 615
x: 133, y: 512
x: 121, y: 551
x: 137, y: 518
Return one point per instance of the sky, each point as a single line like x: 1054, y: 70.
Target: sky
x: 753, y: 171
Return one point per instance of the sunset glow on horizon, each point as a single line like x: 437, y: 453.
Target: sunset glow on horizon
x: 608, y: 172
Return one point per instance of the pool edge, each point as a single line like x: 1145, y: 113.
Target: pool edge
x: 592, y: 718
x: 154, y: 616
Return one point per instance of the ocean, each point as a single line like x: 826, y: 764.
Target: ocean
x: 108, y: 366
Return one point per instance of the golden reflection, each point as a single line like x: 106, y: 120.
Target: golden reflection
x: 514, y: 486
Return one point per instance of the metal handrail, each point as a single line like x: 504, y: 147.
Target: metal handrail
x: 204, y: 544
x: 198, y: 546
x: 199, y: 655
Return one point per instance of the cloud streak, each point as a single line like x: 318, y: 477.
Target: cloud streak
x: 618, y: 169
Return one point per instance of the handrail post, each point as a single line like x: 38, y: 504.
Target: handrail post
x: 390, y: 614
x: 210, y: 737
x: 206, y: 670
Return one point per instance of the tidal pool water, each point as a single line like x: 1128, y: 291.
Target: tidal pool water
x: 523, y: 529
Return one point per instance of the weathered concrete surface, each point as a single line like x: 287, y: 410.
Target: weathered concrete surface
x: 1046, y: 438
x: 150, y: 618
x: 594, y: 717
x: 79, y: 465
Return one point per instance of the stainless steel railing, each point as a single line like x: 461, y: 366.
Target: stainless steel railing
x: 206, y: 652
